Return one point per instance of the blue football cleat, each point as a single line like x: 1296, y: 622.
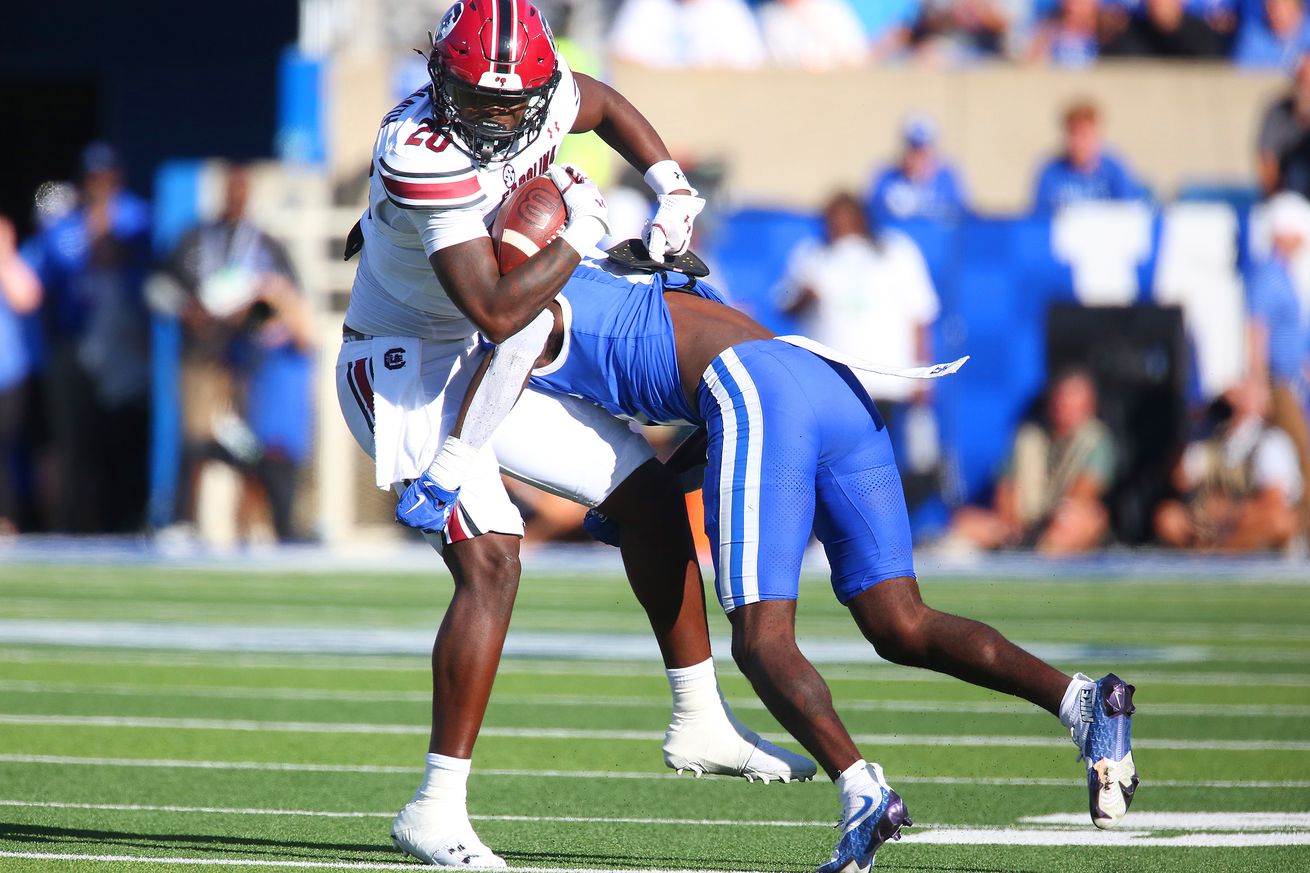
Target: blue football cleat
x: 425, y: 505
x: 880, y: 819
x: 1104, y: 742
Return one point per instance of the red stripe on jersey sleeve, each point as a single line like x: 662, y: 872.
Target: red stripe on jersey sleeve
x: 421, y: 191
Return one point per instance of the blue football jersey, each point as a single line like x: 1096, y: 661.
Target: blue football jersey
x: 618, y: 349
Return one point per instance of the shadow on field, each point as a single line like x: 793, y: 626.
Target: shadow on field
x: 26, y: 833
x: 614, y: 860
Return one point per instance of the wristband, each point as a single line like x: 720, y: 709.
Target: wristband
x: 666, y: 176
x: 583, y: 234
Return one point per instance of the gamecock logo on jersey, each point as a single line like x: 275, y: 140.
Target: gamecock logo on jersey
x: 393, y: 359
x: 531, y: 172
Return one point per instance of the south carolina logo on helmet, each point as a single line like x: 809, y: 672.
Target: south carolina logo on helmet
x: 494, y: 70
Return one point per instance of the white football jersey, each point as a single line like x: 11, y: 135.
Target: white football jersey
x: 425, y: 194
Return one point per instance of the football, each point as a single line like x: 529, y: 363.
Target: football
x: 528, y: 220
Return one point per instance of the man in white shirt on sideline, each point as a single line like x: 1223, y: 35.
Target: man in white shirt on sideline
x: 870, y: 294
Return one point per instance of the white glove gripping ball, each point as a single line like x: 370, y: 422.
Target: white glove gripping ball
x: 588, y: 216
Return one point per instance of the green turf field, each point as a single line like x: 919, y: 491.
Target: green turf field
x: 120, y: 751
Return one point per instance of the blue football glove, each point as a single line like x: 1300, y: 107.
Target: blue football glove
x: 601, y: 527
x: 426, y: 505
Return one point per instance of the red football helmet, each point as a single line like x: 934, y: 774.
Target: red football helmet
x: 494, y: 70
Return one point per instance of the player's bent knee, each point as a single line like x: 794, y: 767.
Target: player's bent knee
x: 903, y: 639
x: 488, y: 564
x: 760, y: 638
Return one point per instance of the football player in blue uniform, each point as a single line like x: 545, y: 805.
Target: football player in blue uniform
x: 795, y: 445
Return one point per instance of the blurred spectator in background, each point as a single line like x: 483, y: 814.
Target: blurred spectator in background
x: 247, y: 335
x: 1240, y: 482
x: 687, y: 33
x: 869, y: 293
x: 92, y: 263
x: 1284, y: 145
x: 958, y: 32
x: 815, y: 35
x: 1276, y: 38
x: 1279, y: 327
x: 20, y: 294
x: 921, y: 185
x: 1084, y: 170
x: 1221, y: 16
x: 1069, y: 37
x: 1166, y: 29
x: 1052, y: 491
x: 888, y: 24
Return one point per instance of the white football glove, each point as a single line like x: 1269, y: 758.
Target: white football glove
x: 669, y: 232
x: 588, y: 220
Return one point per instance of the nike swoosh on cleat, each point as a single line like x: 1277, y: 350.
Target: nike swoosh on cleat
x: 859, y: 816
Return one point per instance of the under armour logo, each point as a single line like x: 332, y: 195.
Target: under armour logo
x: 393, y: 359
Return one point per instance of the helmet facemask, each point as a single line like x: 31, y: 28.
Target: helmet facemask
x: 475, y: 117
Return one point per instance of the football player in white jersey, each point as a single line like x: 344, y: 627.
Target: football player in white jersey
x: 428, y: 282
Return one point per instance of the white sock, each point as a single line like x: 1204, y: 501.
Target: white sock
x: 1073, y: 704
x: 695, y: 690
x: 451, y: 463
x: 445, y: 780
x: 855, y: 782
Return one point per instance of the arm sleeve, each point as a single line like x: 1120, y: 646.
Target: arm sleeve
x: 442, y: 228
x: 496, y: 394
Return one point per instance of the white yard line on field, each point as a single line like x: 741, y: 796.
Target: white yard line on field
x: 1192, y: 821
x: 319, y: 813
x: 317, y: 727
x: 601, y: 701
x: 555, y: 667
x: 166, y: 763
x: 299, y: 865
x: 1092, y: 837
x: 580, y: 645
x: 1142, y: 823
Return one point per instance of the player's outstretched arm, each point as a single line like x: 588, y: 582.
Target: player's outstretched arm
x: 627, y: 131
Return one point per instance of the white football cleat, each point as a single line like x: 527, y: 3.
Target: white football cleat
x: 718, y: 744
x: 440, y: 834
